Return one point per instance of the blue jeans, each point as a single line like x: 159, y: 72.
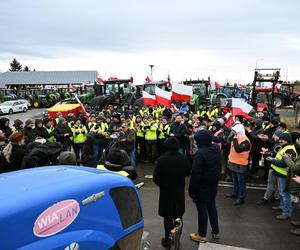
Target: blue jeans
x: 97, y: 151
x: 205, y: 210
x: 285, y: 198
x: 239, y: 185
x: 132, y: 158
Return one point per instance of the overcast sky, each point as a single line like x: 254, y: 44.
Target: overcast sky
x: 188, y: 38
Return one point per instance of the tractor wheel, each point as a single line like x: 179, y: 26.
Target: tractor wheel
x: 36, y: 104
x: 278, y: 101
x: 297, y: 114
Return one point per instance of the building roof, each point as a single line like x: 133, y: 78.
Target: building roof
x: 48, y: 77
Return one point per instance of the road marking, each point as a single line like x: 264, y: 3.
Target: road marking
x: 213, y: 246
x: 149, y: 176
x: 248, y: 186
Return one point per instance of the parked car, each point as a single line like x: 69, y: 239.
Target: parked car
x: 11, y: 107
x: 26, y: 102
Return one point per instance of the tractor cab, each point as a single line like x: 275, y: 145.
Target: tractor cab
x: 7, y: 94
x: 263, y: 89
x: 116, y: 92
x: 150, y: 87
x: 200, y: 92
x: 69, y: 207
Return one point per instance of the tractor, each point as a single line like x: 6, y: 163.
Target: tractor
x: 149, y: 88
x: 262, y: 97
x: 116, y: 92
x: 200, y: 92
x: 7, y: 94
x: 37, y: 97
x: 229, y: 91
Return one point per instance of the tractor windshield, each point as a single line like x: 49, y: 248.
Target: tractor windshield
x: 228, y: 91
x: 199, y: 90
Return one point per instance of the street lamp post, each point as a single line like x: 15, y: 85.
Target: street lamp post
x: 151, y: 70
x: 257, y: 60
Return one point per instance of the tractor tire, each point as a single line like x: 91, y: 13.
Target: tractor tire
x: 297, y: 114
x: 278, y: 101
x: 36, y: 104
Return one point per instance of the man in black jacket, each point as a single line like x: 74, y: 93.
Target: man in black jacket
x: 62, y: 134
x: 204, y: 184
x: 179, y: 130
x: 169, y: 174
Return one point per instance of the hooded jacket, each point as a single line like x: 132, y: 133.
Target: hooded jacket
x: 206, y: 168
x: 5, y: 129
x: 40, y: 131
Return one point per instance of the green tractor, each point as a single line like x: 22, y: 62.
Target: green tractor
x: 64, y: 93
x: 37, y: 97
x: 200, y: 92
x: 7, y: 95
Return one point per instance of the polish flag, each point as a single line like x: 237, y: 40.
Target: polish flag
x: 86, y: 114
x: 148, y: 100
x: 163, y: 97
x: 240, y: 107
x: 214, y: 85
x: 181, y: 92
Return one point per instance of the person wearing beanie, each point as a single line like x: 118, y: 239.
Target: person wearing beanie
x: 13, y: 153
x: 63, y: 133
x: 272, y: 190
x: 238, y: 161
x: 204, y: 184
x: 29, y: 132
x: 40, y: 130
x: 280, y: 170
x: 67, y: 158
x: 50, y: 129
x: 18, y: 126
x: 257, y: 142
x: 169, y: 175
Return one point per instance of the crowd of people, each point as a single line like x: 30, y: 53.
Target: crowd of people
x: 200, y: 144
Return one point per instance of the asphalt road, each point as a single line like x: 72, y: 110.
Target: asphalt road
x: 248, y: 226
x: 23, y: 116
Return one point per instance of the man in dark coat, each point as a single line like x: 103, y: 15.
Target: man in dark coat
x: 29, y: 132
x: 62, y: 134
x: 204, y: 184
x: 40, y: 130
x: 179, y: 130
x: 169, y: 174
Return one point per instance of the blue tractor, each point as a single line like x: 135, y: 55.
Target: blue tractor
x: 69, y: 207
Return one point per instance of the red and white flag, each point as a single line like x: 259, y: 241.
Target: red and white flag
x: 163, y: 97
x: 214, y: 85
x: 240, y: 107
x: 181, y: 92
x: 148, y: 100
x: 86, y: 114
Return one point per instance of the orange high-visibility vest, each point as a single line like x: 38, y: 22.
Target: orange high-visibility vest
x: 216, y: 134
x: 239, y: 158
